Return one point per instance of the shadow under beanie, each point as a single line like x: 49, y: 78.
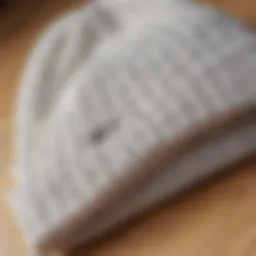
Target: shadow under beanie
x: 122, y: 105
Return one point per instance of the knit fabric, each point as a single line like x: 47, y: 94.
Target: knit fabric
x: 105, y: 86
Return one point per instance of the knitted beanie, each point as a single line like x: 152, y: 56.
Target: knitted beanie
x: 122, y: 105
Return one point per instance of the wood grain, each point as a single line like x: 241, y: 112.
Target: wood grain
x: 217, y: 219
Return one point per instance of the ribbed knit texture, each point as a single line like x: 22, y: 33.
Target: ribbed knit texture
x: 110, y: 82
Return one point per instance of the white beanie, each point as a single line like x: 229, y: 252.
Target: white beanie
x: 122, y: 105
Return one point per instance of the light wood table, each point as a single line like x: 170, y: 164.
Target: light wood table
x: 218, y: 219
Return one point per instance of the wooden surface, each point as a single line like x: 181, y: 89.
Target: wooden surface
x: 217, y: 219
